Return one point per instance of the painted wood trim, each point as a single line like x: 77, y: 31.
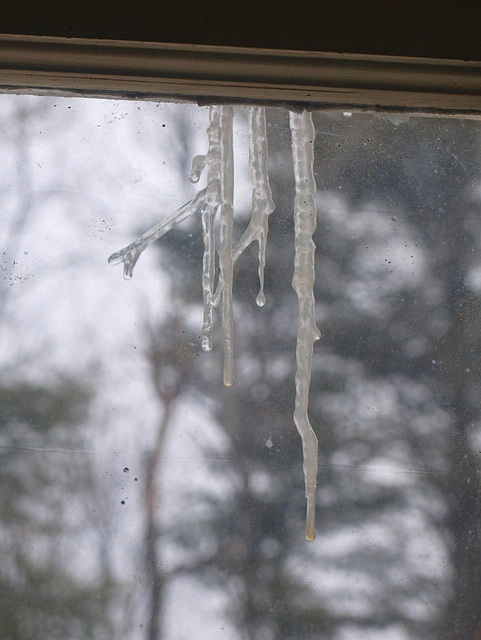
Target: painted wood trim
x: 122, y: 69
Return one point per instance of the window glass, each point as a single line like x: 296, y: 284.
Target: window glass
x: 141, y: 497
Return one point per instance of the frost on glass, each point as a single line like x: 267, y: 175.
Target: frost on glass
x: 219, y: 195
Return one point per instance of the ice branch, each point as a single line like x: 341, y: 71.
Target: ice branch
x: 219, y: 192
x: 130, y: 254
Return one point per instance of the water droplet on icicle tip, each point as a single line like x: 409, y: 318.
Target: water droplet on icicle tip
x: 198, y: 164
x: 128, y: 270
x: 206, y: 343
x: 118, y: 258
x: 261, y: 299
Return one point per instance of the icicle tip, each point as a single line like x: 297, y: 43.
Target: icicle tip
x: 310, y: 534
x: 128, y: 258
x: 261, y: 299
x: 116, y: 258
x: 198, y: 164
x: 206, y: 343
x: 311, y: 518
x: 228, y: 379
x: 128, y: 270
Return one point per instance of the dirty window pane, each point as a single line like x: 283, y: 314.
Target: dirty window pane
x: 143, y: 499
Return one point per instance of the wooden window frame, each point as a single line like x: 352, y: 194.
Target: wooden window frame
x: 205, y: 73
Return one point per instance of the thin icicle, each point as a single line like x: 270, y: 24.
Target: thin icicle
x: 262, y: 203
x: 212, y: 159
x: 129, y: 255
x: 302, y: 130
x: 226, y: 263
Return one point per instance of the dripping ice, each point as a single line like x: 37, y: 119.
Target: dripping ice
x: 218, y: 196
x: 302, y: 131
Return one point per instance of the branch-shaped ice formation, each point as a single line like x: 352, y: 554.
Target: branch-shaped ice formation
x: 129, y: 255
x: 206, y: 201
x: 226, y: 263
x: 262, y: 203
x: 219, y: 192
x: 302, y: 130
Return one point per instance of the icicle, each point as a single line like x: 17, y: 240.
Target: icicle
x: 207, y: 202
x: 220, y: 192
x: 226, y: 263
x: 208, y: 214
x: 262, y: 203
x: 302, y: 130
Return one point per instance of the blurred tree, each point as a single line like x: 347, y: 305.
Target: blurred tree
x: 49, y: 513
x: 415, y: 330
x: 396, y: 241
x: 44, y: 592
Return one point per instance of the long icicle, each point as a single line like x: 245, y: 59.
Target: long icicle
x: 262, y: 202
x: 302, y: 130
x: 226, y: 263
x: 212, y: 159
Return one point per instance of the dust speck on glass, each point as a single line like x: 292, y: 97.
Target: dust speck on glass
x: 145, y: 493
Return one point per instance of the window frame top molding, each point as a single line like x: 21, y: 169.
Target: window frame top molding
x: 123, y: 69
